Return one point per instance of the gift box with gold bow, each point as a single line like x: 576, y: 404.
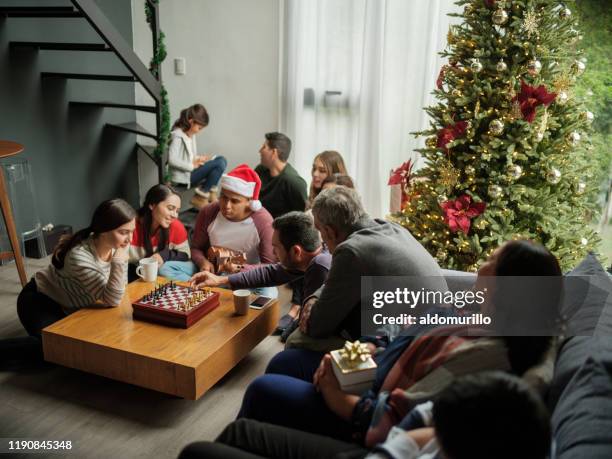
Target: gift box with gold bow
x: 354, y: 367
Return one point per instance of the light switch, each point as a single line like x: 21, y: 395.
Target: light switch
x: 180, y: 66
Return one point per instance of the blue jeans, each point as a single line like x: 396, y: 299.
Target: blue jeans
x: 183, y: 270
x: 208, y: 174
x: 291, y: 402
x: 297, y: 363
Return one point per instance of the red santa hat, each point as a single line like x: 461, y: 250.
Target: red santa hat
x: 244, y: 181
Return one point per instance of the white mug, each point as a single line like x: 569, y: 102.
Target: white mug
x: 147, y: 269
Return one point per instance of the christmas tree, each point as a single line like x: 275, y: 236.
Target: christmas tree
x: 507, y: 152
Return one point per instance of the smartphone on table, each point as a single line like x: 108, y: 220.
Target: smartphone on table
x: 260, y: 302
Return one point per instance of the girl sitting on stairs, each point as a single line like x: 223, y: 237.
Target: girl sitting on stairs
x: 185, y: 166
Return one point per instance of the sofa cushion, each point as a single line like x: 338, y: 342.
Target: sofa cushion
x: 582, y: 421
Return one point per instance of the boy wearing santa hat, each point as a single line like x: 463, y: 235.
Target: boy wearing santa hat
x: 237, y: 221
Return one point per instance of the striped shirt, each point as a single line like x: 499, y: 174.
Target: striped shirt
x: 85, y: 280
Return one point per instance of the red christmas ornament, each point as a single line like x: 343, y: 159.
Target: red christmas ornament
x: 450, y: 133
x: 490, y: 3
x: 531, y: 98
x: 458, y: 214
x: 440, y: 80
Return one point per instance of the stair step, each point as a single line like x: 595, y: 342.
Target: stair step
x: 140, y: 108
x: 149, y: 150
x: 39, y: 12
x: 134, y: 128
x: 85, y: 76
x: 59, y: 46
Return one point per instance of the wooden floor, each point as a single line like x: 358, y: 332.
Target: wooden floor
x: 105, y: 418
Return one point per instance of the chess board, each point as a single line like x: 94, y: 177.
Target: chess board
x: 175, y: 305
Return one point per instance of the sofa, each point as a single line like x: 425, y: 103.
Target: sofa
x: 579, y: 394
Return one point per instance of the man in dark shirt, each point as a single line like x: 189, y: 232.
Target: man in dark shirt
x: 282, y: 188
x: 297, y: 245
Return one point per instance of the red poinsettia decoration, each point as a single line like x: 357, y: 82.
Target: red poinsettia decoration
x: 531, y: 98
x: 450, y: 133
x: 458, y: 214
x: 401, y: 176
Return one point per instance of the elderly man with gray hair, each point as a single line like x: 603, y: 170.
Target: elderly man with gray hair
x: 360, y: 246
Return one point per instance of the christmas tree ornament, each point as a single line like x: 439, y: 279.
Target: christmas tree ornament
x: 431, y: 142
x: 441, y: 255
x: 530, y: 23
x: 501, y: 66
x: 456, y: 92
x: 495, y: 191
x: 580, y: 188
x: 553, y: 176
x: 499, y: 16
x: 584, y: 241
x: 451, y: 37
x: 578, y: 67
x: 515, y: 112
x: 449, y: 176
x: 533, y: 67
x: 531, y: 98
x: 496, y: 127
x: 565, y: 13
x: 476, y: 66
x: 469, y: 170
x: 458, y: 214
x: 562, y: 97
x: 473, y: 268
x: 562, y: 83
x: 588, y: 116
x: 442, y: 198
x: 573, y: 138
x: 514, y: 171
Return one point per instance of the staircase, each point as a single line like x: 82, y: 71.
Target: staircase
x: 136, y: 71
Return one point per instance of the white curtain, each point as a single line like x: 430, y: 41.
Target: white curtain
x: 357, y: 74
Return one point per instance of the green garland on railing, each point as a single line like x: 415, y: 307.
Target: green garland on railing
x: 156, y: 61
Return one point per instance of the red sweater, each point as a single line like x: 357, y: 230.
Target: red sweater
x: 201, y: 242
x: 177, y: 248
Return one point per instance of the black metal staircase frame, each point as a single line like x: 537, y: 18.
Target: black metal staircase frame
x: 113, y: 42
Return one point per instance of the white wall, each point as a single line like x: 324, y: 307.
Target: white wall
x: 232, y: 52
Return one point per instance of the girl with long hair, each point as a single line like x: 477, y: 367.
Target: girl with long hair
x: 185, y: 166
x: 324, y: 165
x: 159, y: 233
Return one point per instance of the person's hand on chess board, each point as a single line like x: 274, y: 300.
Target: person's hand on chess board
x: 207, y: 279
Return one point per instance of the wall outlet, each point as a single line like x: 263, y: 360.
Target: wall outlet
x: 180, y: 66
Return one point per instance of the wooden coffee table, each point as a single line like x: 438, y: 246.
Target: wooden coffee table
x: 185, y: 363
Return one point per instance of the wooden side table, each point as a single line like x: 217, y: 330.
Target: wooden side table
x: 7, y: 149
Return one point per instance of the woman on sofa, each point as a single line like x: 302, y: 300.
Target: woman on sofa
x: 325, y: 409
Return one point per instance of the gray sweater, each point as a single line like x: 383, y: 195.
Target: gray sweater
x: 374, y: 248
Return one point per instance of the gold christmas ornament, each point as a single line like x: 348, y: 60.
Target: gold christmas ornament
x: 578, y: 67
x: 481, y: 224
x: 514, y: 171
x: 530, y: 23
x: 562, y: 97
x: 456, y: 92
x: 553, y: 175
x: 573, y: 138
x: 473, y: 268
x: 501, y: 66
x: 431, y: 142
x: 441, y: 254
x: 562, y: 83
x: 496, y: 127
x: 580, y: 188
x: 533, y: 67
x: 476, y: 66
x: 495, y: 191
x: 449, y: 176
x: 565, y: 13
x: 499, y: 16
